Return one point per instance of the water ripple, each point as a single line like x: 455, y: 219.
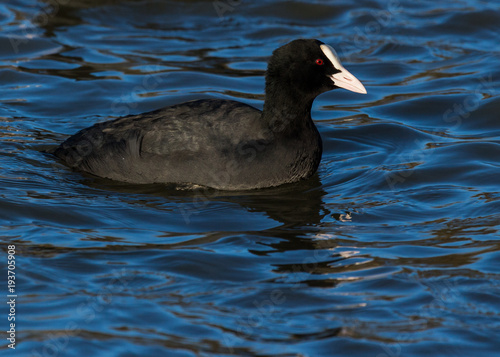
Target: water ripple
x: 391, y: 249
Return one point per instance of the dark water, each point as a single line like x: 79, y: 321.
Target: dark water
x: 391, y: 250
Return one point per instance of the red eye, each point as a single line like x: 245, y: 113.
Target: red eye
x: 320, y: 62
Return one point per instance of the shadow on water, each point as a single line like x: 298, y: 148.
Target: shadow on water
x: 296, y: 205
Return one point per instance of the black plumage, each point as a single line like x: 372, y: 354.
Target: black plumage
x: 218, y: 143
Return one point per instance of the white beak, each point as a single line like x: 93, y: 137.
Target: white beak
x: 344, y: 79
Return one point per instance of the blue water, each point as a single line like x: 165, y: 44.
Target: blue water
x: 392, y: 249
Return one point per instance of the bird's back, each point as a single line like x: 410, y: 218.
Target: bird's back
x: 216, y: 143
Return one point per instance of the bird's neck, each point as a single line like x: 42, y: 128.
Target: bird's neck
x: 286, y: 108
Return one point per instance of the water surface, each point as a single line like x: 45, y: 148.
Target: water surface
x: 391, y: 249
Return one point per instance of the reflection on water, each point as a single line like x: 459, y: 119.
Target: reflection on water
x: 391, y: 249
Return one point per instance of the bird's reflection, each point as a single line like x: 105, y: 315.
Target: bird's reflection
x: 294, y: 205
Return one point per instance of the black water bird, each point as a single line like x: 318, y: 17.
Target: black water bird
x: 221, y: 144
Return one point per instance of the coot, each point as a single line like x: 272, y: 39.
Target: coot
x: 217, y: 143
